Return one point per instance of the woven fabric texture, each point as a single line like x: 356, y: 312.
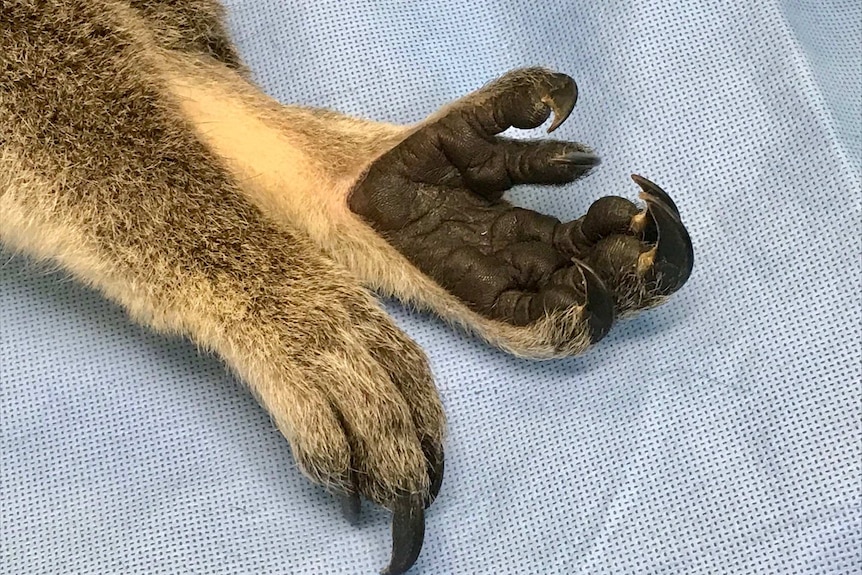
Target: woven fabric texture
x: 721, y: 433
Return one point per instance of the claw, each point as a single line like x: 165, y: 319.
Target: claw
x: 599, y: 304
x: 351, y: 507
x: 650, y: 188
x: 408, y: 533
x: 561, y: 99
x: 674, y: 254
x: 583, y: 159
x: 435, y: 472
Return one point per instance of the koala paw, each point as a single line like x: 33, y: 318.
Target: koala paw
x: 436, y: 197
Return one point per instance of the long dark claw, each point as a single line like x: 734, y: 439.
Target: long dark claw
x: 599, y: 303
x: 561, y: 99
x: 674, y: 253
x: 408, y: 533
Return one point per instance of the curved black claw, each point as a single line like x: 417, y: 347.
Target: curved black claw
x: 674, y: 253
x: 408, y: 533
x: 561, y: 100
x: 599, y: 303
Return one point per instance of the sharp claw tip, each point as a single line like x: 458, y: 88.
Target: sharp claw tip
x: 562, y: 101
x: 586, y: 159
x: 652, y: 192
x: 558, y: 121
x: 408, y: 533
x: 645, y: 185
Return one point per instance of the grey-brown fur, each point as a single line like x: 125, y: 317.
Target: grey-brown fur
x: 115, y: 167
x: 120, y: 164
x: 194, y: 26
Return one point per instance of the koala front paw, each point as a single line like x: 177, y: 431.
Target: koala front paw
x: 436, y: 197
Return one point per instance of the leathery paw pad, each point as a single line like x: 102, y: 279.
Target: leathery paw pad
x: 436, y: 197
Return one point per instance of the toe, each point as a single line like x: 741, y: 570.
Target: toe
x: 606, y: 216
x: 522, y: 99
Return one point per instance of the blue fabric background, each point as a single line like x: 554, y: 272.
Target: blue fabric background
x: 718, y: 434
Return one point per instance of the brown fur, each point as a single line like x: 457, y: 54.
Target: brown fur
x: 136, y: 155
x: 102, y: 171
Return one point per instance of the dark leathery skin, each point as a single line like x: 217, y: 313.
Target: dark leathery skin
x: 436, y: 198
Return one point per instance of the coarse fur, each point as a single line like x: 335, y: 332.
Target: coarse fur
x: 137, y: 155
x: 106, y: 170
